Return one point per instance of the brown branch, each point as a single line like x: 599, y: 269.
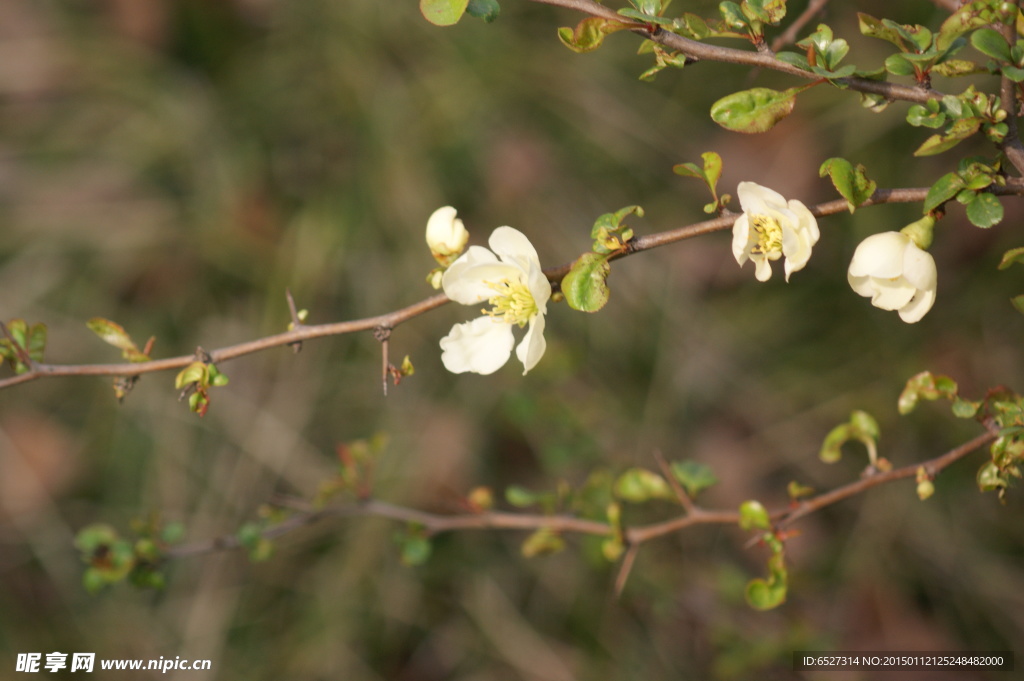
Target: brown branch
x: 1011, y: 146
x: 697, y: 51
x: 303, y: 332
x: 434, y: 523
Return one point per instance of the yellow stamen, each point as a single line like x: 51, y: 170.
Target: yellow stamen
x: 769, y: 236
x: 512, y: 302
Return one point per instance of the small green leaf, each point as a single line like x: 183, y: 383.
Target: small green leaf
x: 991, y: 43
x: 944, y: 189
x: 1018, y: 303
x: 588, y: 34
x: 795, y: 490
x: 416, y: 549
x: 961, y: 129
x: 764, y: 594
x: 520, y: 497
x: 639, y: 485
x: 928, y: 386
x: 862, y: 427
x: 443, y: 12
x: 585, y: 286
x: 755, y: 110
x: 985, y: 210
x: 542, y: 542
x: 487, y: 10
x: 693, y: 476
x: 1011, y: 256
x: 851, y: 183
x: 753, y: 515
x: 898, y: 65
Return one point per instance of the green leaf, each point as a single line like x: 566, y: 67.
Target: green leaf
x: 753, y: 515
x: 991, y: 43
x: 961, y: 129
x: 588, y: 34
x: 1011, y: 256
x: 443, y: 12
x: 985, y: 210
x: 861, y: 427
x: 585, y: 286
x: 710, y: 173
x: 416, y: 548
x: 488, y: 10
x: 755, y: 110
x: 520, y: 497
x: 541, y: 542
x: 968, y: 17
x: 898, y: 65
x: 115, y: 335
x: 928, y: 386
x: 764, y: 594
x: 944, y: 189
x: 1018, y: 303
x: 639, y: 485
x: 851, y: 183
x: 693, y: 476
x: 873, y: 28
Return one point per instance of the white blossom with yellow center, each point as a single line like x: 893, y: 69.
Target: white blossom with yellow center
x: 510, y: 279
x: 770, y: 228
x: 896, y: 274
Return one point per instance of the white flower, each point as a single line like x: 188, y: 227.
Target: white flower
x: 510, y: 279
x: 896, y: 274
x: 446, y: 235
x: 770, y: 228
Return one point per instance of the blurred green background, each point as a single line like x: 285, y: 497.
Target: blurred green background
x: 176, y: 165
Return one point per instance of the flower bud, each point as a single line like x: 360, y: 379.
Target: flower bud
x: 446, y: 235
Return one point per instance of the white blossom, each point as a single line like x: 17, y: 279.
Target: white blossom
x: 509, y: 277
x: 770, y: 228
x: 446, y: 235
x: 896, y: 274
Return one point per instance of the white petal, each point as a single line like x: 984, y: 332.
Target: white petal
x: 466, y: 280
x: 862, y: 285
x: 919, y: 268
x: 512, y: 246
x: 533, y: 345
x: 445, y: 233
x: 540, y: 287
x: 880, y: 255
x: 918, y: 307
x: 481, y: 346
x: 741, y: 239
x: 757, y: 200
x: 763, y: 269
x: 892, y: 294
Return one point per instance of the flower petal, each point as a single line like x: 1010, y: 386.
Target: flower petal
x: 466, y: 280
x: 880, y: 255
x: 918, y: 307
x: 482, y: 346
x: 445, y: 233
x: 919, y: 268
x: 763, y: 269
x: 891, y: 294
x: 533, y: 345
x: 512, y: 246
x: 758, y: 200
x: 741, y: 239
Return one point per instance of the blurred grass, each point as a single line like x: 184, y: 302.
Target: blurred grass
x: 175, y: 166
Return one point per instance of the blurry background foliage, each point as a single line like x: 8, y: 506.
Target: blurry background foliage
x: 175, y: 165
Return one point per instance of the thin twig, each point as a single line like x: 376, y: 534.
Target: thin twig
x: 433, y: 523
x: 788, y: 37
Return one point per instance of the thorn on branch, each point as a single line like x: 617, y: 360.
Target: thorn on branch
x: 297, y: 318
